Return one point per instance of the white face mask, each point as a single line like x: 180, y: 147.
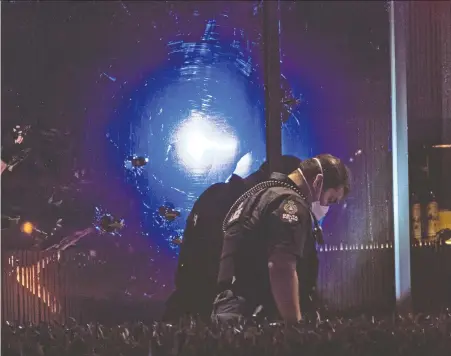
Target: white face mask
x: 319, y: 211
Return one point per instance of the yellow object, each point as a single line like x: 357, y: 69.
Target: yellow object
x: 433, y: 220
x: 27, y: 227
x: 444, y: 219
x: 416, y: 221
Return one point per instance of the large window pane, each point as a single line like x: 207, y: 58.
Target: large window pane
x: 336, y: 61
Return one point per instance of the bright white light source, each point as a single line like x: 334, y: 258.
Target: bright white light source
x: 202, y: 145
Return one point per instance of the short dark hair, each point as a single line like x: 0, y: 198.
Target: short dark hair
x: 336, y: 173
x: 288, y: 164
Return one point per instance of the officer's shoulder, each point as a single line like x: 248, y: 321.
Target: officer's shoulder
x: 219, y: 193
x: 213, y: 192
x: 214, y: 189
x: 278, y: 197
x: 283, y: 193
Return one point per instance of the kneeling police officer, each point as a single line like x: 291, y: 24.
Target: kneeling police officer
x: 269, y: 263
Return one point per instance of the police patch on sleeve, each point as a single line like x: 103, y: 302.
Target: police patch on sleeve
x: 289, y: 212
x: 290, y: 207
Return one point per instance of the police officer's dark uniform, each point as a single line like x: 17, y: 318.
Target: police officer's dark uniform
x: 274, y: 215
x: 197, y: 269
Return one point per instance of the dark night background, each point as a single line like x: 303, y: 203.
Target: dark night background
x: 335, y: 56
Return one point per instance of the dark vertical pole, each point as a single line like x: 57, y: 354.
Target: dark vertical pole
x: 271, y: 60
x: 398, y: 51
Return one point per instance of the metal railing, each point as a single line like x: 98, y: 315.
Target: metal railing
x: 39, y: 287
x: 35, y: 287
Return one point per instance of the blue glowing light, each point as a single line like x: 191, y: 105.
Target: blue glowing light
x: 196, y: 120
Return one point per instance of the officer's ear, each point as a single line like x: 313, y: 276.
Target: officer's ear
x: 318, y: 182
